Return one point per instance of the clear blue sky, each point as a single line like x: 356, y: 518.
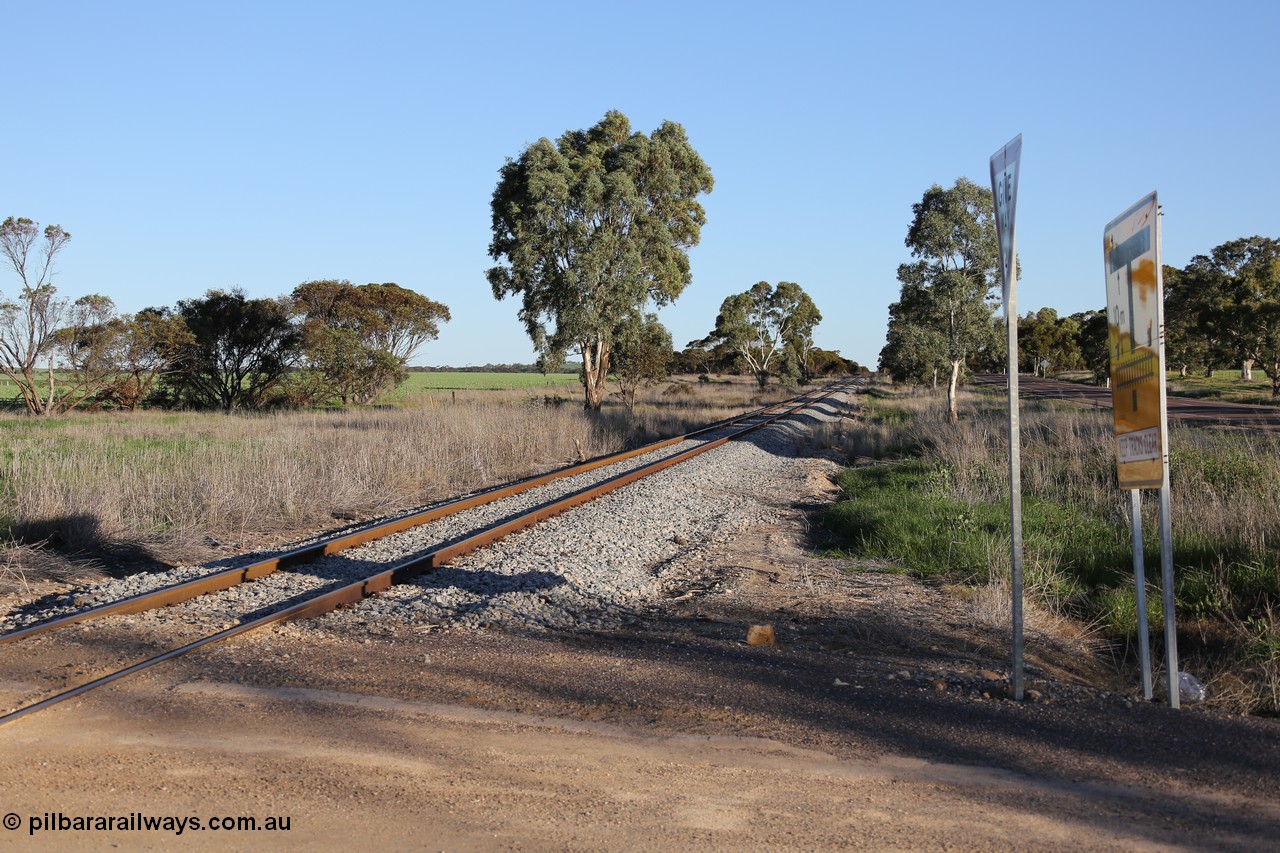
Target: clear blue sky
x: 265, y: 144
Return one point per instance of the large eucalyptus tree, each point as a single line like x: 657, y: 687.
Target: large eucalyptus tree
x: 767, y: 326
x: 359, y: 339
x: 944, y: 309
x: 1237, y: 286
x: 591, y: 229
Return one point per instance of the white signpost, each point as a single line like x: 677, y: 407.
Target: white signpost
x: 1135, y: 326
x: 1005, y: 165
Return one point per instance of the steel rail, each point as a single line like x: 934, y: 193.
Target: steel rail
x: 407, y: 569
x: 227, y: 578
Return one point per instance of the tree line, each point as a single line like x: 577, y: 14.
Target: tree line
x: 325, y: 342
x: 592, y: 232
x: 1221, y: 309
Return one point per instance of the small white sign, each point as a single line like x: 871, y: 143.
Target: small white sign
x: 1139, y: 445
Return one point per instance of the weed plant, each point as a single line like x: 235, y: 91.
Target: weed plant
x: 933, y: 497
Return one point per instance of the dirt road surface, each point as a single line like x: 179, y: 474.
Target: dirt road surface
x: 878, y: 722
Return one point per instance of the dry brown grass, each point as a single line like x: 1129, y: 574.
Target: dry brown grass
x: 22, y: 565
x: 167, y: 486
x: 1225, y: 509
x: 1225, y: 483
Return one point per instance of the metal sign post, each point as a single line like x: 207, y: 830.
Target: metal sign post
x: 1166, y: 521
x: 1005, y: 165
x: 1135, y: 323
x: 1140, y: 583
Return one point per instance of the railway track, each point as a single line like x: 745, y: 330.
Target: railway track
x: 339, y: 574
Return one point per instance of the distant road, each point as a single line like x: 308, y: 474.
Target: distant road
x: 1180, y: 408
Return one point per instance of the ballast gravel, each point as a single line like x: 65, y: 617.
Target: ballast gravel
x: 598, y: 565
x: 606, y: 562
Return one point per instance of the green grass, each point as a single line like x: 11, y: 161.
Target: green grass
x: 906, y: 512
x: 11, y: 398
x: 1224, y: 385
x: 426, y: 382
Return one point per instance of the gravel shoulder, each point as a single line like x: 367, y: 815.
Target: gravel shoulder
x: 639, y: 719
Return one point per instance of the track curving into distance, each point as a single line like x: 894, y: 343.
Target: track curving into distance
x: 328, y: 599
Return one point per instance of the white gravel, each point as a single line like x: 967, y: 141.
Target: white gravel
x: 601, y: 563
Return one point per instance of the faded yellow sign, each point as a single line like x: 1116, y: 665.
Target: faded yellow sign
x: 1135, y: 323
